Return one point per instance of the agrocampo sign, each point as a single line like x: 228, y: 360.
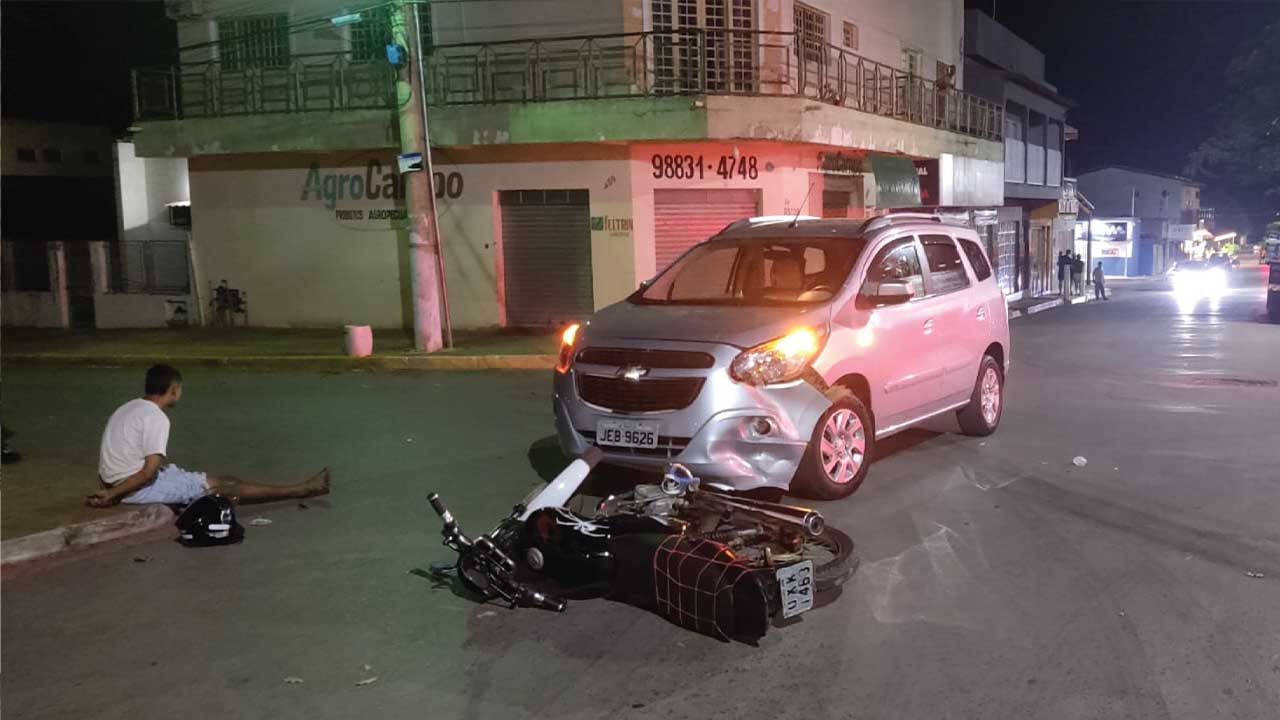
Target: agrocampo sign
x: 375, y: 183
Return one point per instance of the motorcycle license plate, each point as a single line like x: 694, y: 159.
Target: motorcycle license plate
x: 626, y: 433
x: 795, y: 584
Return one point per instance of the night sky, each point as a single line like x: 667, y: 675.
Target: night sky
x: 1146, y: 75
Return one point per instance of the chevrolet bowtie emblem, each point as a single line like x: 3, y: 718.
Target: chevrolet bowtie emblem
x: 633, y: 373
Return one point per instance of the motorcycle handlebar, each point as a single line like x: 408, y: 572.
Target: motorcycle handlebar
x: 438, y: 505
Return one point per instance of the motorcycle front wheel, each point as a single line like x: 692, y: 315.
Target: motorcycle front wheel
x: 833, y: 555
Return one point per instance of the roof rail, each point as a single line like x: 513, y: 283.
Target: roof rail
x: 759, y: 220
x: 880, y: 221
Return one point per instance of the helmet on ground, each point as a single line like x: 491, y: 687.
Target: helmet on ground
x: 209, y: 520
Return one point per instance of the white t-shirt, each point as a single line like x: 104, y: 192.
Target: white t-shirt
x: 137, y: 429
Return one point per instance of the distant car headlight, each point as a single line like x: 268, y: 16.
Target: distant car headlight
x: 779, y: 360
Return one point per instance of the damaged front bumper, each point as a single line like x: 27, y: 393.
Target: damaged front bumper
x: 744, y: 436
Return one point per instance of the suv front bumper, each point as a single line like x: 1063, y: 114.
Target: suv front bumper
x: 716, y: 436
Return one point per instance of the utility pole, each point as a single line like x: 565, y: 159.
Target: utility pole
x: 425, y: 262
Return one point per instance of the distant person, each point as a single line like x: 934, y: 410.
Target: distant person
x: 131, y: 462
x: 1099, y: 283
x: 1077, y: 275
x: 1064, y: 262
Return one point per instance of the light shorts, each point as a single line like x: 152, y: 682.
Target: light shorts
x: 173, y: 486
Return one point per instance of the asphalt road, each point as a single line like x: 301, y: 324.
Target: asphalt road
x: 998, y: 579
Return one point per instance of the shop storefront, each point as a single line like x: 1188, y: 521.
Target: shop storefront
x: 532, y: 235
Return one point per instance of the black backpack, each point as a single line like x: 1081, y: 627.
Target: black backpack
x: 210, y: 520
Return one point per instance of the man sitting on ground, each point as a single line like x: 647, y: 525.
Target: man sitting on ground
x: 131, y: 463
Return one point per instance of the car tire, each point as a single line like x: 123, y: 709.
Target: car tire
x: 839, y: 454
x: 982, y: 415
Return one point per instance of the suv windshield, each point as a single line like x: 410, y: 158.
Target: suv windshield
x: 756, y: 271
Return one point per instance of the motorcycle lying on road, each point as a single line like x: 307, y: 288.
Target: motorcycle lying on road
x: 705, y: 557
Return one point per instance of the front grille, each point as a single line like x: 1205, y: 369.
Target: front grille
x: 653, y: 395
x: 666, y: 359
x: 668, y: 447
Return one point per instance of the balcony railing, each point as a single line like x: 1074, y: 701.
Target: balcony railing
x: 686, y: 62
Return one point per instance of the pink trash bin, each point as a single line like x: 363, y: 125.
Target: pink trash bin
x: 359, y: 340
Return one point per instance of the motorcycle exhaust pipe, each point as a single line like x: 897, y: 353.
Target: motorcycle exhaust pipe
x: 564, y: 485
x: 810, y: 521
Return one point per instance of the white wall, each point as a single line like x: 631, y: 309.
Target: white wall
x: 970, y: 181
x: 452, y: 22
x: 885, y: 27
x: 144, y: 187
x: 1111, y: 191
x: 127, y: 310
x: 308, y: 262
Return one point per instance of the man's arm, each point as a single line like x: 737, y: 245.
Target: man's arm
x: 111, y: 495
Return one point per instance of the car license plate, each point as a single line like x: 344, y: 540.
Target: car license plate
x: 625, y: 433
x: 795, y: 583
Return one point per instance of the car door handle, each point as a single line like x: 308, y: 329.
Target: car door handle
x: 928, y: 326
x: 982, y: 313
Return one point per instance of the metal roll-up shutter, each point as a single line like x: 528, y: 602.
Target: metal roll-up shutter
x: 546, y: 254
x: 684, y: 218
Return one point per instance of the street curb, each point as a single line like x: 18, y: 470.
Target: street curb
x: 306, y: 362
x: 82, y: 535
x: 1047, y: 305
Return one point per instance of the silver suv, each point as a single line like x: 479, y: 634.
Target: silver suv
x: 777, y: 353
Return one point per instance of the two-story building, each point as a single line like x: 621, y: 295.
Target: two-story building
x: 1150, y: 218
x: 579, y: 146
x: 47, y: 276
x: 1003, y: 67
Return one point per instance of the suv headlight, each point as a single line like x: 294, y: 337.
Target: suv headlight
x: 779, y: 360
x: 568, y: 340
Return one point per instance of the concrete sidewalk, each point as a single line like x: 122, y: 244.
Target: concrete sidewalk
x: 260, y: 348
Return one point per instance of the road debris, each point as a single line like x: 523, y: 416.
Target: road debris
x: 367, y: 681
x: 303, y: 506
x: 486, y: 613
x: 1079, y: 461
x: 260, y: 521
x: 141, y: 559
x: 1257, y: 575
x: 293, y: 680
x: 408, y: 439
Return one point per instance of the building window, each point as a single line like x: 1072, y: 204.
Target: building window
x: 370, y: 36
x: 704, y: 41
x: 1036, y: 148
x: 27, y: 155
x: 912, y: 59
x: 253, y: 42
x: 850, y: 36
x: 1015, y: 146
x: 1053, y: 154
x: 51, y: 155
x: 811, y: 32
x: 91, y: 157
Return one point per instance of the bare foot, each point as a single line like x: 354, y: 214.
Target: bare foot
x: 318, y: 484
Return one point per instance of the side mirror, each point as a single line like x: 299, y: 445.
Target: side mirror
x: 893, y: 293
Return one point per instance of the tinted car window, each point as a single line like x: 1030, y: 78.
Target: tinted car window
x: 756, y: 271
x: 978, y: 261
x: 946, y: 271
x: 898, y: 262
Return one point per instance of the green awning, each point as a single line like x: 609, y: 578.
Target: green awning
x: 897, y: 184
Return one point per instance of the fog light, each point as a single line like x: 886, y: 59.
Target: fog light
x: 761, y: 426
